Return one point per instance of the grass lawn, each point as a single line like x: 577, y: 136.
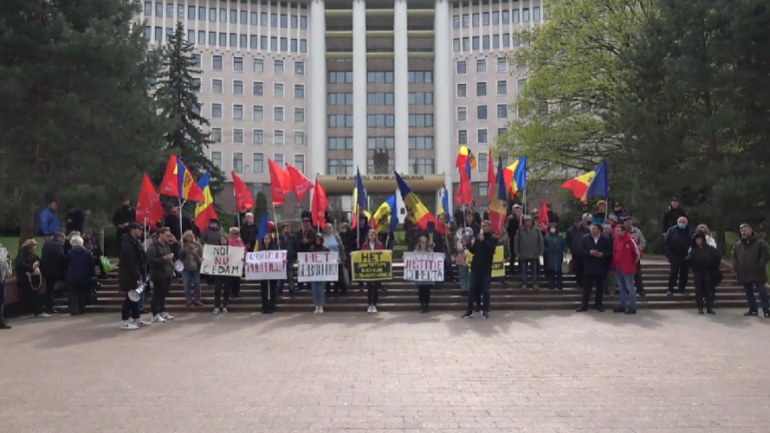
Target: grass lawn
x: 12, y: 245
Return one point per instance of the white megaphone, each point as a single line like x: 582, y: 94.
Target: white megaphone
x: 136, y: 294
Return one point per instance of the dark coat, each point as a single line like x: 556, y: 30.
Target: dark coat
x: 131, y: 267
x: 302, y: 235
x: 124, y: 214
x: 159, y: 266
x: 23, y: 265
x: 391, y: 240
x: 511, y: 227
x: 80, y: 272
x: 553, y: 217
x: 53, y: 263
x: 172, y: 222
x: 291, y: 245
x: 750, y: 258
x: 574, y: 239
x: 678, y: 243
x: 704, y: 260
x: 596, y: 266
x: 671, y: 216
x: 483, y: 253
x: 249, y: 235
x: 76, y: 221
x: 555, y: 248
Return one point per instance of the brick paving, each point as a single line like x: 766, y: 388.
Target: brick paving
x: 543, y: 372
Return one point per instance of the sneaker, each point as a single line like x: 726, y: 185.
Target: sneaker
x: 316, y: 310
x: 216, y: 311
x: 670, y: 293
x: 43, y: 315
x: 158, y: 319
x: 750, y: 313
x: 167, y: 316
x: 188, y: 304
x: 467, y: 315
x: 631, y: 311
x: 198, y: 304
x: 486, y: 314
x: 619, y: 310
x: 581, y: 310
x: 369, y: 310
x: 140, y: 322
x: 128, y: 326
x: 710, y: 311
x: 320, y: 310
x: 224, y: 310
x: 374, y: 309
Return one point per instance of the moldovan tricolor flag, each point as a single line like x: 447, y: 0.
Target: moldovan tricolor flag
x: 420, y: 214
x: 300, y: 182
x: 499, y: 200
x: 178, y: 182
x: 148, y: 208
x: 360, y: 200
x: 243, y: 199
x: 444, y: 205
x: 205, y: 211
x: 464, y: 156
x: 280, y: 182
x: 386, y: 216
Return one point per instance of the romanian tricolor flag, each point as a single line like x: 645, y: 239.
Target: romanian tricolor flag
x: 516, y: 176
x: 205, y: 211
x: 386, y: 216
x: 465, y: 156
x: 360, y: 201
x: 499, y: 201
x: 592, y: 184
x: 444, y: 205
x: 178, y: 182
x: 419, y: 213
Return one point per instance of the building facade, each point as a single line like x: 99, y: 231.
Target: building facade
x: 332, y: 86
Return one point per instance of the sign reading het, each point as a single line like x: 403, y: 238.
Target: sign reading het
x: 320, y: 266
x: 372, y: 265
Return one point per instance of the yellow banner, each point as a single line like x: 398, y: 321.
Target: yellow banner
x: 372, y: 265
x: 498, y: 262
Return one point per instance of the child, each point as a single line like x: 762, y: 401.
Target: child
x: 372, y: 287
x: 269, y: 287
x: 221, y: 282
x: 423, y: 287
x: 318, y: 287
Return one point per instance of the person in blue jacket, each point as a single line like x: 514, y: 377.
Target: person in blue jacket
x: 49, y: 221
x: 80, y: 277
x: 555, y: 249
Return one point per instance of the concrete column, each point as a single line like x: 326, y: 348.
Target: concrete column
x: 401, y: 85
x: 317, y: 89
x: 359, y: 85
x: 442, y: 97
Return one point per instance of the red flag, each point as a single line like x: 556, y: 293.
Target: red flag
x: 542, y: 219
x: 243, y: 199
x: 280, y: 182
x: 148, y: 207
x: 464, y: 193
x: 320, y: 204
x: 178, y: 182
x: 491, y: 178
x: 302, y: 184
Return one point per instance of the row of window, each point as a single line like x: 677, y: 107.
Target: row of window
x: 501, y: 65
x: 235, y: 40
x: 258, y: 64
x: 481, y: 88
x: 339, y: 77
x: 379, y: 121
x: 346, y: 143
x: 258, y: 113
x: 481, y: 112
x: 345, y: 166
x: 258, y: 136
x: 258, y: 88
x: 285, y: 20
x: 473, y: 20
x: 482, y: 135
x: 468, y: 43
x: 258, y: 162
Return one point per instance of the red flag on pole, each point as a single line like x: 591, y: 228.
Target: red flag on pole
x: 302, y: 184
x: 148, y: 207
x: 320, y: 204
x: 280, y: 182
x: 542, y: 219
x: 243, y: 199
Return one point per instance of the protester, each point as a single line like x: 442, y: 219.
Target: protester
x: 618, y: 213
x: 96, y: 252
x: 476, y: 215
x: 483, y: 250
x: 178, y: 223
x: 555, y: 249
x: 703, y: 228
x: 553, y: 217
x: 625, y: 260
x: 411, y: 232
x: 362, y: 231
x: 528, y: 247
x: 212, y: 232
x: 672, y: 215
x: 249, y: 231
x: 461, y: 259
x: 191, y: 256
x: 677, y: 241
x: 222, y: 283
x: 131, y: 275
x: 372, y: 287
x: 305, y: 237
x: 511, y: 227
x: 470, y: 221
x: 29, y: 278
x: 6, y: 270
x: 161, y: 261
x: 318, y: 287
x: 387, y: 238
x: 288, y: 241
x: 446, y: 238
x: 236, y: 241
x: 53, y: 266
x: 75, y: 220
x: 641, y: 244
x: 609, y: 281
x: 574, y: 240
x: 349, y: 240
x: 80, y: 276
x: 704, y: 260
x: 601, y: 214
x: 268, y: 287
x: 595, y: 250
x: 423, y: 287
x: 334, y: 243
x: 49, y: 221
x: 750, y: 256
x: 124, y: 216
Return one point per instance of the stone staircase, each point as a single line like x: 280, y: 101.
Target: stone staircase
x: 402, y: 295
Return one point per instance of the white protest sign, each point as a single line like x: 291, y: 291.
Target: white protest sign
x: 420, y: 266
x: 222, y: 260
x: 320, y: 266
x: 266, y: 265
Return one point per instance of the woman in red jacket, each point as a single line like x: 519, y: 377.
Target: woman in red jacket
x: 625, y: 259
x: 372, y: 287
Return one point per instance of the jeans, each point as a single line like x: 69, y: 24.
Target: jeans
x: 423, y: 294
x: 749, y: 288
x: 319, y: 293
x: 556, y: 280
x: 465, y: 278
x: 373, y: 292
x: 289, y: 278
x: 221, y: 284
x: 527, y: 263
x: 130, y: 308
x: 512, y: 260
x: 626, y: 287
x: 192, y: 278
x: 593, y: 282
x: 480, y: 284
x: 680, y: 269
x: 160, y: 290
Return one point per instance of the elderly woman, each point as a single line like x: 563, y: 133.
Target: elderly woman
x: 28, y: 277
x: 80, y: 277
x: 191, y: 256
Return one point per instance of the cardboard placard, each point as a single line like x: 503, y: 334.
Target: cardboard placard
x: 423, y: 266
x: 320, y: 266
x: 266, y: 265
x: 372, y: 265
x: 222, y: 260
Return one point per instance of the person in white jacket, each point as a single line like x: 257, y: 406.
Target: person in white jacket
x: 703, y: 228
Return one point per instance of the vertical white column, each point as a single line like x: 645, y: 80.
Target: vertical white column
x: 317, y: 90
x: 248, y: 26
x: 270, y: 28
x: 470, y: 25
x: 359, y: 85
x: 461, y: 25
x: 279, y: 26
x: 259, y: 25
x: 442, y: 96
x: 401, y: 85
x: 481, y: 26
x: 238, y: 27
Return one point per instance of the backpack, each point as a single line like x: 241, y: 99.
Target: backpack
x: 6, y: 270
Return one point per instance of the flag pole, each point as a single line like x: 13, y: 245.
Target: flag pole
x: 181, y: 215
x: 144, y: 233
x: 277, y: 238
x: 525, y: 202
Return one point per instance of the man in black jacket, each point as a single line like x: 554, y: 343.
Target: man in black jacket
x: 595, y: 249
x: 172, y: 222
x: 161, y: 260
x: 672, y: 215
x: 574, y: 240
x: 123, y: 217
x: 483, y: 250
x: 131, y: 275
x: 249, y: 231
x: 511, y: 227
x: 677, y: 241
x: 53, y: 267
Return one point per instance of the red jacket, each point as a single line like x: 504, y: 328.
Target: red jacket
x: 625, y: 255
x: 365, y: 246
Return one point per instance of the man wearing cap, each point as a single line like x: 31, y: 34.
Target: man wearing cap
x: 672, y: 215
x: 750, y: 257
x: 678, y: 240
x: 131, y: 275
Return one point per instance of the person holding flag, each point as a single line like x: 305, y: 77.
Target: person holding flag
x: 361, y: 215
x: 178, y: 182
x: 483, y: 250
x: 528, y: 246
x: 204, y: 210
x: 385, y: 221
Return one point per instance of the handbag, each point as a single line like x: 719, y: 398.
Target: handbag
x: 565, y: 267
x: 106, y: 265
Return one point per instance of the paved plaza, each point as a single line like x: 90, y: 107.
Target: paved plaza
x: 541, y: 372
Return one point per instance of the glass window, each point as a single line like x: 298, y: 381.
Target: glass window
x: 284, y: 44
x: 278, y: 90
x: 462, y: 90
x: 466, y: 44
x: 502, y: 64
x: 237, y: 87
x: 294, y: 22
x: 495, y: 17
x: 506, y: 40
x: 475, y: 20
x: 485, y: 19
x: 303, y: 22
x: 462, y: 114
x: 216, y: 135
x: 258, y: 136
x: 475, y: 42
x: 201, y: 14
x: 263, y: 42
x: 466, y: 20
x: 223, y: 39
x: 485, y: 42
x: 278, y: 140
x: 238, y: 162
x: 259, y: 66
x: 481, y: 66
x: 506, y: 17
x: 278, y: 114
x: 197, y: 84
x: 201, y: 37
x: 233, y: 40
x: 481, y: 112
x: 299, y: 68
x: 259, y: 113
x: 233, y: 16
x: 502, y: 87
x: 148, y: 8
x: 216, y: 111
x: 216, y: 86
x: 274, y: 20
x: 299, y: 115
x: 299, y: 162
x: 212, y: 15
x: 482, y: 137
x: 158, y: 9
x: 536, y: 14
x: 502, y: 111
x: 191, y: 36
x: 495, y: 41
x: 481, y: 89
x: 263, y: 19
x: 278, y: 67
x: 456, y: 45
x: 259, y: 162
x: 299, y: 138
x: 303, y: 45
x: 258, y: 88
x: 274, y: 43
x: 216, y: 159
x: 520, y: 84
x: 244, y: 17
x: 284, y: 21
x: 299, y: 91
x: 456, y: 22
x: 254, y: 42
x: 462, y: 136
x: 223, y: 15
x: 238, y: 136
x: 238, y: 112
x: 515, y: 16
x: 483, y: 164
x: 461, y: 67
x: 212, y: 38
x: 525, y: 15
x: 158, y: 33
x: 254, y: 18
x: 501, y: 131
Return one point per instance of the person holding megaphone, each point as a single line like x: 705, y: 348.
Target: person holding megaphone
x: 131, y: 275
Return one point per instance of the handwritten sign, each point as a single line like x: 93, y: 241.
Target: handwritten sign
x: 498, y: 262
x: 320, y: 266
x: 423, y: 266
x: 266, y: 265
x: 222, y: 260
x: 372, y: 265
